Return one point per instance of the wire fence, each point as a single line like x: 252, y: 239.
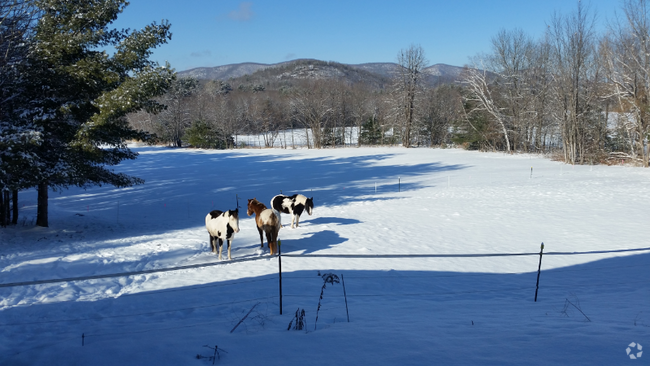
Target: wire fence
x: 297, y: 280
x: 451, y: 255
x: 291, y: 278
x: 307, y: 255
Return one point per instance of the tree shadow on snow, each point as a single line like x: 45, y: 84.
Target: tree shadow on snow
x: 182, y: 186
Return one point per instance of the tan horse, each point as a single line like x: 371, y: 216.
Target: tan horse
x: 268, y: 221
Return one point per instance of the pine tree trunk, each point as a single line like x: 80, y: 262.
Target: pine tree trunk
x: 14, y: 218
x: 3, y: 219
x: 7, y: 208
x: 41, y: 211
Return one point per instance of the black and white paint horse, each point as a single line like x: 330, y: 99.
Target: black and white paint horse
x: 293, y: 205
x: 222, y: 226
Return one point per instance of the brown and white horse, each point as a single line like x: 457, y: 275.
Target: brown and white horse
x: 268, y: 221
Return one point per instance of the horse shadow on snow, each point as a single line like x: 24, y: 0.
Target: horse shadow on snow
x: 312, y: 242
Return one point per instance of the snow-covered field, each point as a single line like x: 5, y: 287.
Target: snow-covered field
x: 418, y: 310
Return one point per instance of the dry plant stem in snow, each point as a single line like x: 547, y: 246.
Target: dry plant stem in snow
x: 327, y: 278
x: 300, y: 320
x: 566, y: 307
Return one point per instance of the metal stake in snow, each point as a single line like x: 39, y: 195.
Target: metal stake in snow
x: 399, y: 184
x: 539, y: 269
x: 531, y: 171
x: 345, y: 294
x: 280, y: 271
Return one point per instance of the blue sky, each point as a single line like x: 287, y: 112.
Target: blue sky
x: 221, y: 32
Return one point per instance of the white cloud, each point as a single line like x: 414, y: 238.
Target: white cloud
x: 243, y: 13
x: 205, y: 53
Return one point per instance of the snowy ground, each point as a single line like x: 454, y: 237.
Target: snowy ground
x: 369, y: 201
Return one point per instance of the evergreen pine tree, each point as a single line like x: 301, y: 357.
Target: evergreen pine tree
x: 80, y: 95
x: 205, y: 136
x: 18, y: 138
x: 370, y: 132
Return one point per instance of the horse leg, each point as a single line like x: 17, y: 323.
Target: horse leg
x: 269, y: 239
x: 293, y: 219
x: 297, y: 220
x: 229, y: 241
x: 220, y: 247
x: 259, y: 229
x: 212, y: 244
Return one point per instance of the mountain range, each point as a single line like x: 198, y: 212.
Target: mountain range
x: 377, y: 73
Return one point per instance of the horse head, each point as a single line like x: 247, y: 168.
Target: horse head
x: 309, y: 205
x: 233, y: 219
x: 250, y: 206
x: 255, y: 207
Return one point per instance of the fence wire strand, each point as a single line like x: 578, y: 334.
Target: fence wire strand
x: 350, y: 256
x: 246, y: 259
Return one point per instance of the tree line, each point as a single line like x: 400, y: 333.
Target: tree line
x: 573, y: 93
x: 212, y: 113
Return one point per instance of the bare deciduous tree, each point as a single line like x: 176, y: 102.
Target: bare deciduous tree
x: 501, y: 84
x: 407, y: 86
x: 539, y: 84
x: 441, y: 107
x: 575, y: 75
x: 177, y: 117
x: 512, y: 59
x: 626, y: 56
x: 483, y: 98
x: 311, y: 104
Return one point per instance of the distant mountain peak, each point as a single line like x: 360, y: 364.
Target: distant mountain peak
x: 373, y: 72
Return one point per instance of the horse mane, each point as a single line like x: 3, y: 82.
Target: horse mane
x: 253, y: 202
x: 234, y: 213
x: 215, y: 213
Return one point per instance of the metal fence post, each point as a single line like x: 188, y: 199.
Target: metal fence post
x: 280, y: 271
x: 539, y: 270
